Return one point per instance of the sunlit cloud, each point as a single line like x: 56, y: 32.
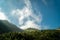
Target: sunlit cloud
x: 26, y: 16
x: 30, y: 24
x: 2, y: 15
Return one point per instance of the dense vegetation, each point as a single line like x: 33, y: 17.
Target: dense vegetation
x: 32, y: 35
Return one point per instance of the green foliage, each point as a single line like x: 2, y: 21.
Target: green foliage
x: 32, y: 35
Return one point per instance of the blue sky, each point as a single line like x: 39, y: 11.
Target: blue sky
x: 42, y: 13
x: 50, y: 11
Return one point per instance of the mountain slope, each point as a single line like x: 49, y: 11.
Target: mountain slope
x: 5, y: 26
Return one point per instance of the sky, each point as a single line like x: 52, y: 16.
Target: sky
x: 39, y: 14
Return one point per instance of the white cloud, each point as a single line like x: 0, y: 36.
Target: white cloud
x: 2, y: 16
x: 25, y: 13
x: 30, y: 24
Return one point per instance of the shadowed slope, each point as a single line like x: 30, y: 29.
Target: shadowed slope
x: 5, y: 26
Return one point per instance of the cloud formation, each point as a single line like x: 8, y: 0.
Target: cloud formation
x: 27, y: 18
x: 2, y: 15
x: 30, y: 24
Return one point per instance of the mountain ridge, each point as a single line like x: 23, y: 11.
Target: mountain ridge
x: 6, y: 26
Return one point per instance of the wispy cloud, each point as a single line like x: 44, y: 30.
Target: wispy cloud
x: 26, y: 16
x: 44, y: 1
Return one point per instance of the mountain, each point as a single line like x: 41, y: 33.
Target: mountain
x: 31, y: 30
x: 6, y: 26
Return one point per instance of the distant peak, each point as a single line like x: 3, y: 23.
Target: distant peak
x: 31, y: 29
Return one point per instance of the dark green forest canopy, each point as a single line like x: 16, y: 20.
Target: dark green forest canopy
x: 32, y: 35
